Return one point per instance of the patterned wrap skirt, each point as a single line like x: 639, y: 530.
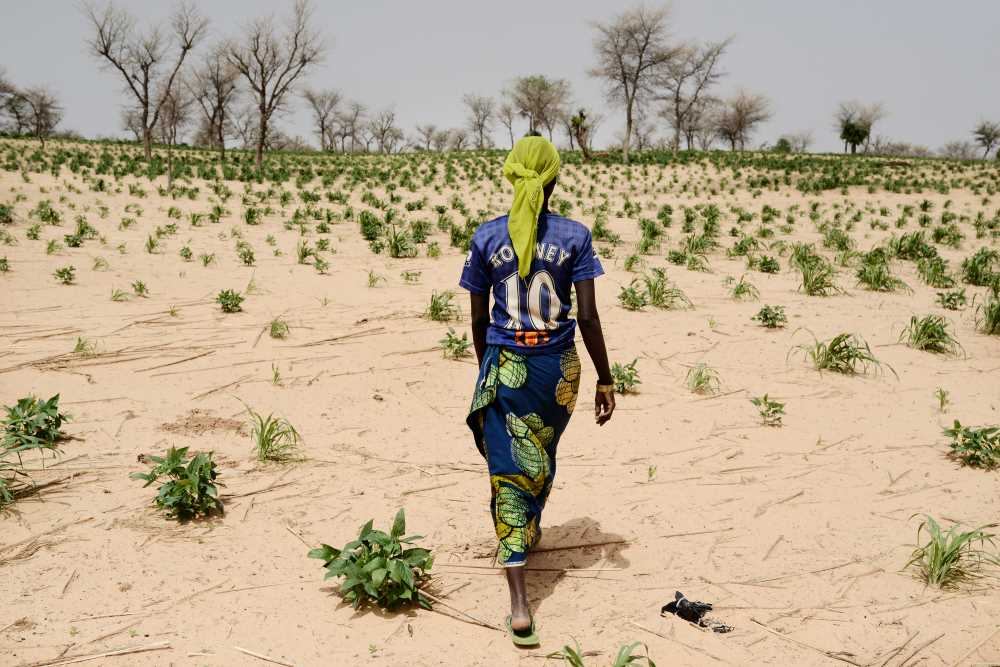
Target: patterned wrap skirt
x: 520, y: 408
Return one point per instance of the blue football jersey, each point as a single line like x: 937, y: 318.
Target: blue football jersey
x: 531, y: 313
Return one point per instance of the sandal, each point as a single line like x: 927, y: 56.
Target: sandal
x: 523, y: 637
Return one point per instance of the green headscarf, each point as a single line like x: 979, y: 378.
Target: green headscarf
x: 530, y: 166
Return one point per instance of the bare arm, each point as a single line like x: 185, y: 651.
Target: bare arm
x: 589, y: 322
x: 480, y: 305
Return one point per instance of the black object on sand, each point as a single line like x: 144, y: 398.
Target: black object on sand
x: 693, y: 611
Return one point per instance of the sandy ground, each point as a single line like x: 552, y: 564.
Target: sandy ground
x: 797, y: 534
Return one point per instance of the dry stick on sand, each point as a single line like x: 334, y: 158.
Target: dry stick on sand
x: 920, y: 648
x: 828, y: 654
x: 892, y: 654
x: 263, y: 657
x: 976, y: 647
x: 158, y: 646
x: 472, y: 619
x: 673, y: 639
x: 581, y: 546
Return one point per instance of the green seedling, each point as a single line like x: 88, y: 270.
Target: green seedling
x: 770, y: 411
x: 230, y: 301
x: 454, y: 347
x: 701, y: 379
x: 625, y: 377
x: 953, y: 557
x: 191, y: 489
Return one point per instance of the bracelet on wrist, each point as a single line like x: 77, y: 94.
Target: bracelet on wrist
x: 606, y: 388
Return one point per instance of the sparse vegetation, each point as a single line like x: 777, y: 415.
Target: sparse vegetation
x: 190, y: 490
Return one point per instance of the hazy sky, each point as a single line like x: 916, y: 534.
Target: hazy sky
x: 933, y: 64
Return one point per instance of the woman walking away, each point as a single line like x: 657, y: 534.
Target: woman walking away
x: 529, y: 370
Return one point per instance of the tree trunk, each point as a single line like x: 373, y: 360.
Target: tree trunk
x: 628, y: 130
x: 510, y: 131
x: 147, y: 143
x: 170, y: 165
x: 261, y: 139
x: 854, y: 149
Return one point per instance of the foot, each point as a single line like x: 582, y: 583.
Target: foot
x: 520, y: 619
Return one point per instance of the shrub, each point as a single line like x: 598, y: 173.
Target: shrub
x: 454, y: 347
x: 772, y: 317
x: 442, y: 308
x: 230, y: 301
x: 770, y: 411
x: 625, y: 377
x: 66, y: 275
x: 190, y: 490
x: 631, y: 298
x: 377, y: 569
x: 975, y: 447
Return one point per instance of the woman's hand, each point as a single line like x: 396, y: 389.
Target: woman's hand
x: 604, y: 406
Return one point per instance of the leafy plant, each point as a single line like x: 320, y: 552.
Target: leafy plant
x: 377, y: 568
x: 274, y: 438
x: 953, y: 300
x: 66, y: 274
x: 190, y: 490
x: 442, y: 307
x: 930, y: 334
x: 772, y: 317
x: 951, y: 557
x: 771, y: 412
x: 230, y: 301
x: 278, y: 328
x: 844, y: 353
x: 975, y: 447
x: 631, y: 298
x: 625, y: 377
x: 701, y: 379
x: 140, y: 288
x: 32, y: 424
x: 454, y: 347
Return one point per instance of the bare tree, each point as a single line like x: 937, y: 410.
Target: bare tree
x: 540, y: 100
x: 458, y: 137
x: 383, y: 130
x: 323, y: 105
x: 16, y: 109
x: 506, y: 115
x: 685, y: 79
x: 739, y: 117
x: 855, y: 121
x: 272, y: 61
x: 43, y: 112
x: 631, y: 49
x: 699, y: 122
x: 480, y: 117
x: 348, y: 124
x: 441, y: 139
x: 958, y: 150
x: 987, y: 135
x: 214, y: 87
x: 426, y: 135
x: 147, y: 61
x: 174, y: 117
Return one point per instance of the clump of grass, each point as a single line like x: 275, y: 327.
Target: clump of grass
x: 950, y: 558
x: 454, y: 347
x: 702, y: 379
x: 274, y: 438
x: 84, y: 347
x: 975, y: 447
x: 844, y: 353
x: 981, y: 268
x: 661, y: 294
x: 988, y: 312
x: 743, y: 290
x: 943, y: 397
x: 119, y: 295
x: 140, y: 288
x: 875, y: 274
x: 818, y: 279
x: 625, y: 377
x: 278, y: 328
x: 930, y: 334
x: 230, y: 300
x: 772, y: 317
x: 770, y: 411
x: 374, y: 279
x: 442, y: 307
